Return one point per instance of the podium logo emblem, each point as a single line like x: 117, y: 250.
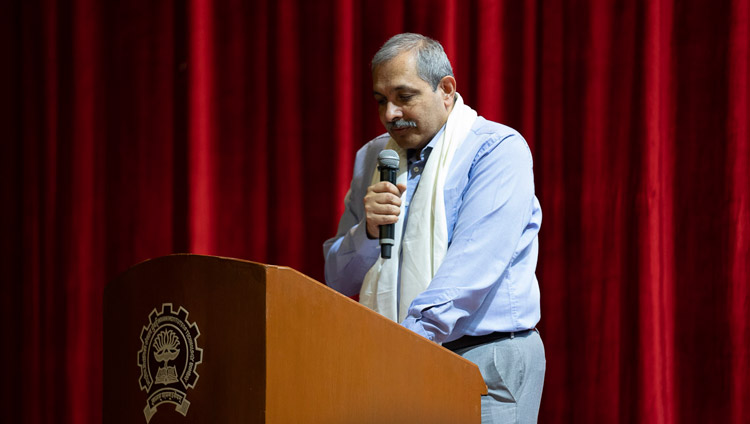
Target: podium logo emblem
x: 168, y: 357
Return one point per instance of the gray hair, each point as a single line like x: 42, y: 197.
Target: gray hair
x: 432, y: 62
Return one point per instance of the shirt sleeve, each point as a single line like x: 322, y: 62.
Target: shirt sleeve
x: 493, y: 218
x: 350, y: 254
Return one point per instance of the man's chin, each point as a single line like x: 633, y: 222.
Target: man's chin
x: 407, y: 142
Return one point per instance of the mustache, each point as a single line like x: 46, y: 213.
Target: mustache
x: 400, y: 124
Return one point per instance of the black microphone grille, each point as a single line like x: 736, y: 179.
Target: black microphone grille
x: 388, y: 159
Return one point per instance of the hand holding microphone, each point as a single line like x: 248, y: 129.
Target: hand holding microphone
x: 383, y: 202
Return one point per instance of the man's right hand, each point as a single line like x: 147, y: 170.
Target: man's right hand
x: 382, y: 206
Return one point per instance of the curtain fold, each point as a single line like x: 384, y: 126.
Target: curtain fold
x: 135, y: 129
x: 656, y: 232
x: 737, y: 175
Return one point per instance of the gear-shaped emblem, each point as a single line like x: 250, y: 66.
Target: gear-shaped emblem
x: 168, y: 358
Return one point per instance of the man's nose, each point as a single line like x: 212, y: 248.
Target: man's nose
x: 392, y: 112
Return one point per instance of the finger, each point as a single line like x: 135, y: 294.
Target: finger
x: 383, y: 209
x: 378, y: 220
x: 386, y: 187
x: 382, y: 198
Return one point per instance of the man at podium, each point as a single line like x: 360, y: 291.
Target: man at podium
x: 463, y: 242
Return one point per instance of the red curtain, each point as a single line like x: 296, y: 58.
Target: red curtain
x: 134, y: 129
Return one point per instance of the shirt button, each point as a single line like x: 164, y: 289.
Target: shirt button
x: 416, y: 169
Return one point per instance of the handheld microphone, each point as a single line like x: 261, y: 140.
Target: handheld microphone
x: 388, y: 166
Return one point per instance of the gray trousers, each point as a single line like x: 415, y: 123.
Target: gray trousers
x: 513, y: 369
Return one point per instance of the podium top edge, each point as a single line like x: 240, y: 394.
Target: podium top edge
x: 208, y: 257
x: 199, y: 257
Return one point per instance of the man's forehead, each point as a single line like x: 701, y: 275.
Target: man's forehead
x: 394, y: 82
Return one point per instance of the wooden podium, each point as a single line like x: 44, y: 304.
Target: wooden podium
x: 201, y: 339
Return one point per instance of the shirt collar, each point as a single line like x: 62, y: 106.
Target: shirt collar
x: 426, y: 150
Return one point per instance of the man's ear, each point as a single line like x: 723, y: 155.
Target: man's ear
x: 447, y: 88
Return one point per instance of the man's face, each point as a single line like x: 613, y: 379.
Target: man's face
x: 410, y: 110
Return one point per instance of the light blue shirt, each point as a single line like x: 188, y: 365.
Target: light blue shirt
x: 487, y: 280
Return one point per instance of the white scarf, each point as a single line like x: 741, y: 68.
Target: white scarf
x: 425, y: 243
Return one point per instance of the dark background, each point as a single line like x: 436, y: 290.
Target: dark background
x: 134, y: 129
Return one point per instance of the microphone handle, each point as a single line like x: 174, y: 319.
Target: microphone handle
x: 388, y: 231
